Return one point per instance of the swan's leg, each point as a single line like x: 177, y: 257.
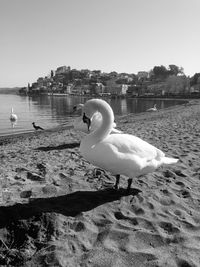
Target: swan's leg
x: 117, y: 181
x: 129, y: 184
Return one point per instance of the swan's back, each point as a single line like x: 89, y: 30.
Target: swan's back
x: 123, y: 154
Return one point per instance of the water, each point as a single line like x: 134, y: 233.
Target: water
x: 52, y: 111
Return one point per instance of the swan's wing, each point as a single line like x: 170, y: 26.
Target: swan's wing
x: 130, y: 144
x: 115, y: 131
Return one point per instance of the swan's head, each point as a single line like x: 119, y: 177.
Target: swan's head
x: 74, y: 108
x: 78, y: 107
x: 89, y: 110
x: 93, y: 106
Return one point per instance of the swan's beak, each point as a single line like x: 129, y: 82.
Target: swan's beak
x: 74, y: 109
x: 87, y: 121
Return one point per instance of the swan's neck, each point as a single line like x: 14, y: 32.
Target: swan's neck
x: 107, y: 121
x: 11, y: 110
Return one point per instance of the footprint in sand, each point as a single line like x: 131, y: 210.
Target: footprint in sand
x: 169, y: 174
x: 169, y: 228
x: 119, y: 216
x: 42, y: 169
x: 138, y: 210
x: 180, y: 184
x: 183, y: 263
x: 185, y: 193
x: 180, y: 173
x: 150, y: 205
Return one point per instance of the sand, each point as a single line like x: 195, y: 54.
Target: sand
x: 55, y: 210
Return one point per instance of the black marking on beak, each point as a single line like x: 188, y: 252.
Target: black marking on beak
x: 87, y: 121
x: 74, y: 108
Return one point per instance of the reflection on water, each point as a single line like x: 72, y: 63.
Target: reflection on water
x: 135, y: 105
x: 49, y: 111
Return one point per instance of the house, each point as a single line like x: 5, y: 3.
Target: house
x: 62, y: 69
x: 133, y: 90
x: 157, y: 88
x: 99, y: 88
x: 115, y: 89
x: 195, y: 88
x: 142, y: 75
x: 69, y: 88
x: 118, y: 90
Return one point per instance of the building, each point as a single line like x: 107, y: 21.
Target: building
x: 40, y: 81
x: 133, y: 90
x: 99, y: 88
x: 62, y: 69
x: 115, y: 89
x: 142, y: 75
x: 69, y: 88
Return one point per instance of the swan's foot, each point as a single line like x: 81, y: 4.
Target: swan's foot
x: 129, y: 184
x: 117, y: 181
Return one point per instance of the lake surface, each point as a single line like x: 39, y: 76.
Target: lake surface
x: 52, y: 111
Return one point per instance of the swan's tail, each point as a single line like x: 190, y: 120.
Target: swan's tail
x: 166, y: 160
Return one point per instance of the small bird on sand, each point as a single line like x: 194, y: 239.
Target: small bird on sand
x: 37, y: 127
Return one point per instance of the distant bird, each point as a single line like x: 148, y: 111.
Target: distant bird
x: 95, y: 122
x: 152, y: 109
x: 78, y: 107
x: 118, y: 153
x: 13, y: 118
x: 37, y: 127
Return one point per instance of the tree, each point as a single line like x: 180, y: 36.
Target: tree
x: 160, y: 72
x: 177, y: 84
x: 194, y: 80
x: 175, y: 70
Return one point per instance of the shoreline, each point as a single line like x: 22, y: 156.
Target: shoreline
x: 69, y: 215
x: 31, y: 132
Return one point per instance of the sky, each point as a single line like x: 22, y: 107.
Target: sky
x: 37, y: 36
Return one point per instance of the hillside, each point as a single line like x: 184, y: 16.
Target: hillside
x: 8, y: 90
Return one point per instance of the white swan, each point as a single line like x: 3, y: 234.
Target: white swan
x: 13, y: 118
x: 152, y: 109
x: 118, y: 153
x: 96, y: 121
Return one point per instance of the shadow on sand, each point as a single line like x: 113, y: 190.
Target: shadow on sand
x: 60, y: 147
x: 68, y: 205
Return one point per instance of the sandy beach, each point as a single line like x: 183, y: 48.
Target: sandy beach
x: 56, y: 211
